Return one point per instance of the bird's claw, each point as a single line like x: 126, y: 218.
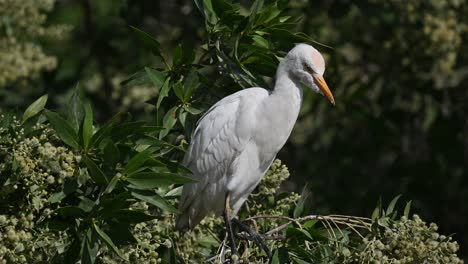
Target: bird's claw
x: 252, y: 235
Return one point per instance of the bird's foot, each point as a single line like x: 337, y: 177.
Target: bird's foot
x: 252, y: 235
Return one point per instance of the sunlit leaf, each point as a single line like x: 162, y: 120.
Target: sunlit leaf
x: 392, y: 205
x: 36, y: 107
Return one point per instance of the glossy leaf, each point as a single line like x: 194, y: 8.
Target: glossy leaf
x: 76, y: 109
x: 136, y: 161
x: 169, y: 120
x: 391, y: 206
x: 94, y: 171
x: 36, y: 107
x: 150, y: 180
x: 156, y: 77
x: 64, y: 130
x: 106, y: 239
x: 154, y: 199
x: 260, y: 41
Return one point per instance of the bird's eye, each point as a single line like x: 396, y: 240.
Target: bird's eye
x: 308, y: 68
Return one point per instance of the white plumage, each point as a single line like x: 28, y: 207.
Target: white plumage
x: 238, y: 138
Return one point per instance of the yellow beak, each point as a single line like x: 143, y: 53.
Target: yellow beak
x: 324, y: 87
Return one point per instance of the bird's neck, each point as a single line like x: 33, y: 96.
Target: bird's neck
x: 287, y: 87
x: 285, y: 101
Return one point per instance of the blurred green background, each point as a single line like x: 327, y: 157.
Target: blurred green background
x: 398, y: 70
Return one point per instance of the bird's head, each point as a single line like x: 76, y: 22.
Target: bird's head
x: 306, y: 64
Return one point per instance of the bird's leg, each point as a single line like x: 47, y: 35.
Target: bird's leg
x: 227, y: 218
x: 253, y: 235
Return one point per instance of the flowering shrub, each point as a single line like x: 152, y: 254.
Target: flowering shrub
x: 22, y: 55
x: 64, y: 199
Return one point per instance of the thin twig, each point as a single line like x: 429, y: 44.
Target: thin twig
x: 350, y: 221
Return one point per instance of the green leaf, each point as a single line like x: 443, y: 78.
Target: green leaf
x: 71, y: 212
x: 131, y: 216
x: 391, y: 206
x: 94, y: 171
x: 69, y: 187
x: 169, y: 120
x: 110, y: 244
x: 156, y: 77
x: 111, y: 154
x: 86, y: 204
x: 35, y: 108
x: 192, y: 110
x: 104, y: 130
x: 173, y: 166
x: 275, y: 258
x: 56, y: 197
x: 179, y: 91
x: 137, y: 161
x: 254, y: 9
x: 377, y: 210
x: 87, y: 126
x: 150, y: 180
x: 177, y: 56
x: 407, y: 209
x: 108, y: 205
x: 309, y: 224
x: 89, y: 248
x: 154, y: 199
x: 164, y: 92
x: 298, y: 233
x: 76, y: 109
x: 73, y: 251
x: 113, y: 182
x: 299, y: 209
x: 149, y: 42
x: 191, y: 83
x: 161, y: 82
x: 206, y: 8
x: 64, y: 130
x: 299, y: 261
x: 126, y: 129
x: 260, y: 41
x: 176, y: 192
x: 182, y: 117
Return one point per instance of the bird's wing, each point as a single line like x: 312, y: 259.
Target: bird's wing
x: 217, y: 141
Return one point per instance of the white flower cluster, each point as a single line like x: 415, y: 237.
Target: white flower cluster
x: 36, y: 168
x: 408, y: 241
x: 260, y: 203
x: 21, y: 56
x: 441, y: 31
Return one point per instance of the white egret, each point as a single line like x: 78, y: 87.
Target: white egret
x: 238, y: 138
